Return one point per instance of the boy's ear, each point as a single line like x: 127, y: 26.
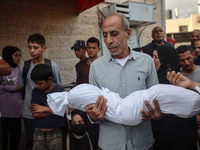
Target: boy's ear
x: 44, y: 48
x: 50, y: 79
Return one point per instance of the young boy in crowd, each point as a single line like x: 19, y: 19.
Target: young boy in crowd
x: 93, y: 47
x: 36, y: 47
x: 47, y: 132
x: 79, y: 50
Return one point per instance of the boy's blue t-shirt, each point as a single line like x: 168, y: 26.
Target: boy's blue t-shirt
x: 40, y: 98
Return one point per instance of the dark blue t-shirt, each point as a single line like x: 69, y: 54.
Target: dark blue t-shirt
x: 40, y: 98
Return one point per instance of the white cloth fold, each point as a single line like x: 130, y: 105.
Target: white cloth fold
x: 172, y: 100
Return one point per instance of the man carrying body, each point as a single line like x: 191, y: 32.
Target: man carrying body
x: 158, y: 35
x: 194, y: 36
x: 123, y: 71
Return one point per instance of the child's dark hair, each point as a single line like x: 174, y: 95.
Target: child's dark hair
x: 37, y: 38
x: 41, y: 72
x: 93, y: 40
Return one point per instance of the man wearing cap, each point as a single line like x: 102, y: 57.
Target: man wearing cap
x: 158, y: 35
x: 79, y: 50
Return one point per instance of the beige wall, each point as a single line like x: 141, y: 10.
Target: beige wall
x: 60, y: 25
x: 172, y: 25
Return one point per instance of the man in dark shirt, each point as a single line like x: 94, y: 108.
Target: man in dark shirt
x: 158, y: 35
x: 79, y: 50
x: 93, y: 47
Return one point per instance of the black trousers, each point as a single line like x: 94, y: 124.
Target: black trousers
x: 29, y: 129
x: 11, y: 127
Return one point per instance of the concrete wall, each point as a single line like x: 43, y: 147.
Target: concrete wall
x: 60, y: 25
x: 193, y: 22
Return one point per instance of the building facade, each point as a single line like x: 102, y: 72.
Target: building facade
x: 61, y: 26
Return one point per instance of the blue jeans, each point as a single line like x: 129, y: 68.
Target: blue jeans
x: 47, y: 140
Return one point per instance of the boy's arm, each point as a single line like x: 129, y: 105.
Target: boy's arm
x: 39, y: 111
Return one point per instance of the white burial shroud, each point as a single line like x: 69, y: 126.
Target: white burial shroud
x: 172, y: 100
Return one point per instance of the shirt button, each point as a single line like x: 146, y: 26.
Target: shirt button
x: 122, y: 85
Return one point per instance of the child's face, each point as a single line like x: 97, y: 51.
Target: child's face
x: 92, y: 50
x: 42, y: 85
x: 16, y: 57
x: 35, y: 50
x: 79, y: 52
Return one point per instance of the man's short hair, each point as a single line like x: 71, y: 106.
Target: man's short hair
x: 124, y: 20
x: 93, y: 40
x: 37, y: 38
x: 183, y: 48
x: 41, y: 72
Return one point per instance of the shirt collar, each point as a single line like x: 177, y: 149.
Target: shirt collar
x: 111, y: 58
x: 155, y: 44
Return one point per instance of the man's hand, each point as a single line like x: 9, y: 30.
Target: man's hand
x: 97, y: 111
x: 153, y: 113
x: 178, y: 79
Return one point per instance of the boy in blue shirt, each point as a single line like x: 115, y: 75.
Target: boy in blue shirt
x: 47, y: 133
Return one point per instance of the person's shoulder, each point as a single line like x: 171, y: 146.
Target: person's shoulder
x: 100, y: 60
x: 198, y: 67
x: 147, y: 45
x: 58, y: 88
x: 141, y: 55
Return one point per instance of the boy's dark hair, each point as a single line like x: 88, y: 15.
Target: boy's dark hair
x: 183, y: 48
x: 41, y: 72
x: 37, y: 38
x: 93, y: 40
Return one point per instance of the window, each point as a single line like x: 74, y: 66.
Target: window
x: 183, y: 28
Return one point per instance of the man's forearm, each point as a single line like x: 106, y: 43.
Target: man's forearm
x: 5, y: 68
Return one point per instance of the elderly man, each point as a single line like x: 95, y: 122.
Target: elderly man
x: 122, y: 71
x: 158, y: 35
x: 194, y: 36
x: 5, y: 68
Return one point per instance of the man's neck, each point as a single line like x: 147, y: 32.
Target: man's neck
x: 50, y: 87
x: 82, y: 58
x: 187, y: 72
x: 92, y: 59
x: 39, y: 60
x: 159, y: 43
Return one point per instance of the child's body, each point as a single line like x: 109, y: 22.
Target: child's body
x: 172, y: 100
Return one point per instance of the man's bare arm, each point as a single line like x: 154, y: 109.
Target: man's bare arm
x: 179, y: 80
x: 5, y: 68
